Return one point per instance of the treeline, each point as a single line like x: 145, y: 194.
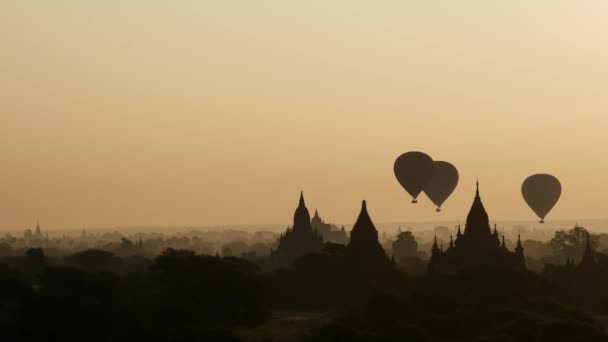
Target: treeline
x: 96, y: 296
x: 183, y: 296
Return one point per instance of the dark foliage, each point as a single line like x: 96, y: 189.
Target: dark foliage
x: 179, y: 297
x: 182, y: 296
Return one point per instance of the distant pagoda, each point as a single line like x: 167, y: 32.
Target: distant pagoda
x: 477, y: 245
x: 588, y: 262
x: 299, y: 240
x: 328, y: 231
x: 35, y: 235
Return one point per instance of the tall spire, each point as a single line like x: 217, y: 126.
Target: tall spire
x: 519, y: 249
x: 519, y: 252
x: 316, y: 219
x: 364, y: 229
x: 478, y: 222
x: 588, y: 255
x: 518, y: 240
x: 301, y: 218
x: 364, y: 244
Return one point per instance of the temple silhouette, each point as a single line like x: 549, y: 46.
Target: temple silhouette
x: 364, y: 247
x: 328, y: 231
x: 35, y: 235
x: 306, y: 237
x: 477, y: 245
x: 589, y: 264
x: 299, y: 240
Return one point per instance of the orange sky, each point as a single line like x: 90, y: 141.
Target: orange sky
x: 217, y: 112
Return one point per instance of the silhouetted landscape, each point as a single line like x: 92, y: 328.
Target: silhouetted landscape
x: 466, y: 283
x: 306, y: 171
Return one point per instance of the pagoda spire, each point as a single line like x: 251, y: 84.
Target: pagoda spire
x: 588, y: 255
x: 301, y: 217
x: 478, y: 222
x: 519, y: 249
x: 519, y: 241
x: 519, y: 252
x: 316, y: 218
x: 435, y: 250
x: 364, y: 230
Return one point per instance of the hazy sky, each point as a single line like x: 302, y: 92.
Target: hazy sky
x: 141, y: 112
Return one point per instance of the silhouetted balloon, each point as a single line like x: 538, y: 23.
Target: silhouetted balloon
x: 442, y: 184
x: 413, y: 170
x: 541, y: 192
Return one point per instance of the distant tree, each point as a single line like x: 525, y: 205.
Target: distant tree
x: 5, y: 249
x: 405, y: 246
x: 537, y: 249
x: 260, y: 249
x: 91, y: 260
x: 235, y: 248
x: 34, y: 260
x: 226, y: 251
x: 442, y: 232
x: 571, y: 243
x: 126, y: 243
x: 519, y: 229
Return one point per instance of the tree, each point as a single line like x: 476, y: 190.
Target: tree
x: 185, y: 289
x: 571, y: 243
x: 442, y: 232
x: 34, y: 260
x: 92, y: 260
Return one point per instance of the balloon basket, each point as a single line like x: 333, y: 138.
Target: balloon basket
x: 438, y: 210
x: 542, y: 221
x: 414, y: 201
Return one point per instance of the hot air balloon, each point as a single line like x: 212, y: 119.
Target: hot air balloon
x: 414, y: 170
x: 442, y: 184
x: 541, y: 192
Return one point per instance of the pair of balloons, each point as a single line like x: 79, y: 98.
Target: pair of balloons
x: 541, y: 192
x: 417, y: 172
